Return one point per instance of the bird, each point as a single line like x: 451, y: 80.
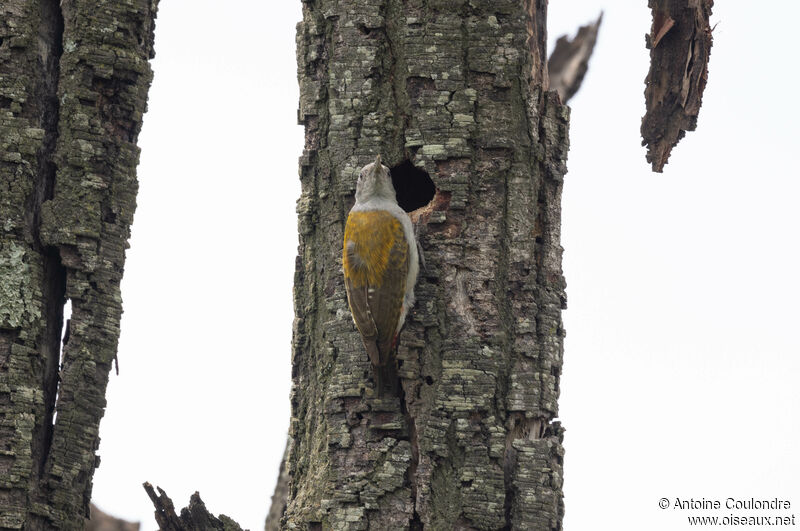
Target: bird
x: 380, y: 263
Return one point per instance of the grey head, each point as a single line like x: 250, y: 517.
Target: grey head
x: 374, y: 182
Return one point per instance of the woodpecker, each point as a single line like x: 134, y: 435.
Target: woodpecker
x: 381, y: 264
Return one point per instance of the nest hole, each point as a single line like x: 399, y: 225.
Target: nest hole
x: 414, y: 186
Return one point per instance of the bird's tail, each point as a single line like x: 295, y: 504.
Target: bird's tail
x: 387, y: 380
x: 384, y: 367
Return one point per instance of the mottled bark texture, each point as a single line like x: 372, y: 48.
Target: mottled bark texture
x: 74, y: 76
x: 195, y: 517
x: 680, y: 45
x: 453, y: 87
x: 569, y: 62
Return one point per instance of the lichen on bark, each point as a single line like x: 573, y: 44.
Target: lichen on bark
x: 472, y: 443
x: 73, y: 89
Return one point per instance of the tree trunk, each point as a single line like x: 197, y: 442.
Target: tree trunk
x: 74, y: 76
x: 456, y: 88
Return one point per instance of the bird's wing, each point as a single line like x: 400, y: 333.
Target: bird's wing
x: 357, y: 298
x: 376, y: 267
x: 386, y: 300
x: 359, y: 308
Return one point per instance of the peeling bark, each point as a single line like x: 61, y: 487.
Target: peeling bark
x: 536, y: 27
x: 195, y: 517
x: 680, y: 45
x: 569, y: 61
x: 457, y: 89
x: 73, y: 89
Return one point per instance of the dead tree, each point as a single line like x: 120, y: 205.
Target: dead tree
x: 74, y: 76
x: 680, y: 46
x: 453, y: 95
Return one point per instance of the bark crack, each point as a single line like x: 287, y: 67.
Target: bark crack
x: 509, y: 456
x: 392, y: 16
x: 51, y: 30
x: 415, y: 522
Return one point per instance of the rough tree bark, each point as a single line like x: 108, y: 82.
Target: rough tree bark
x: 74, y: 76
x: 680, y: 46
x: 458, y: 88
x: 194, y: 517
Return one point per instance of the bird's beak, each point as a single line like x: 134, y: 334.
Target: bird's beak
x: 378, y: 161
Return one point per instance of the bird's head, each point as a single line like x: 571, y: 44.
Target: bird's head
x: 375, y: 182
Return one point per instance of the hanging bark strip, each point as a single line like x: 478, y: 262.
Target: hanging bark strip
x: 454, y: 88
x: 75, y: 76
x: 680, y: 45
x: 569, y: 61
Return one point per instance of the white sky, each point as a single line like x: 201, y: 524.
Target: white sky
x: 681, y: 365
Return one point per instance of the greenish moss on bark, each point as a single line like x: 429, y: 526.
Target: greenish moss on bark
x: 73, y: 91
x: 18, y: 309
x: 472, y: 440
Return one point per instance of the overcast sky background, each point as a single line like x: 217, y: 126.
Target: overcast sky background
x: 681, y: 366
